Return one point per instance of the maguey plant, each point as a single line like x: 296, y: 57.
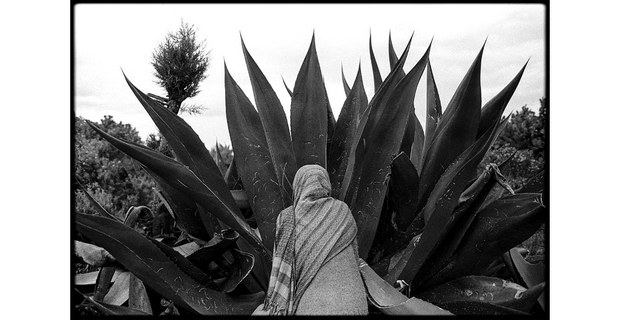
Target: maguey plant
x: 429, y: 226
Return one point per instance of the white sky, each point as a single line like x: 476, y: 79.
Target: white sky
x: 111, y: 37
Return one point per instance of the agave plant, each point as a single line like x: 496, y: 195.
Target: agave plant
x: 429, y: 227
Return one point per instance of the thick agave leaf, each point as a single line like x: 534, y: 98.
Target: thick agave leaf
x: 165, y: 201
x: 134, y: 213
x: 112, y: 310
x: 403, y: 190
x: 387, y: 299
x: 238, y: 264
x: 241, y: 198
x: 138, y: 297
x: 418, y: 143
x: 410, y: 131
x: 497, y: 228
x: 433, y: 107
x: 392, y: 265
x: 220, y: 160
x: 503, y: 188
x: 309, y: 113
x: 393, y: 57
x: 186, y: 213
x: 494, y: 108
x: 104, y: 279
x: 400, y: 73
x: 344, y: 134
x: 254, y: 160
x: 187, y: 146
x: 532, y: 274
x: 455, y: 132
x: 484, y: 289
x: 376, y: 74
x: 239, y: 270
x: 274, y: 124
x: 90, y: 278
x: 232, y: 177
x: 409, y: 135
x: 186, y: 266
x: 185, y: 181
x: 119, y: 291
x: 443, y: 200
x: 290, y: 93
x: 155, y: 267
x: 202, y: 254
x: 368, y: 120
x: 470, y: 202
x: 347, y: 89
x: 382, y: 139
x: 93, y: 255
x: 103, y: 212
x: 331, y: 125
x: 496, y: 268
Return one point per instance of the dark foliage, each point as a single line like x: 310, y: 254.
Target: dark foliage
x: 180, y: 63
x: 524, y: 136
x: 111, y: 177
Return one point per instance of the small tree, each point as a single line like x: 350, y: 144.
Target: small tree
x: 180, y: 63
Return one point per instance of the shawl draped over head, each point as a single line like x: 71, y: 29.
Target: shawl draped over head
x: 309, y: 233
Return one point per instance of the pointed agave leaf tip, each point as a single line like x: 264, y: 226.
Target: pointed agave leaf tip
x: 478, y: 59
x: 427, y: 52
x: 405, y: 52
x: 523, y: 68
x: 226, y: 73
x: 408, y: 43
x: 242, y: 43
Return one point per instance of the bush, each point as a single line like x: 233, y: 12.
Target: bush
x: 108, y: 175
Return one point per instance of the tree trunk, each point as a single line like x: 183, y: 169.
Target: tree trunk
x: 174, y: 106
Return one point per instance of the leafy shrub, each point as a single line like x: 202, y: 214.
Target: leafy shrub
x: 107, y: 174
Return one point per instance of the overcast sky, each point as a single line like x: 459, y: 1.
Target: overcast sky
x: 109, y: 37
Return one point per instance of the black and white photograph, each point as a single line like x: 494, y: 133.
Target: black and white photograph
x: 197, y: 159
x: 309, y: 159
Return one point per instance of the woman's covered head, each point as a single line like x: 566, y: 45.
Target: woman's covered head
x: 311, y: 181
